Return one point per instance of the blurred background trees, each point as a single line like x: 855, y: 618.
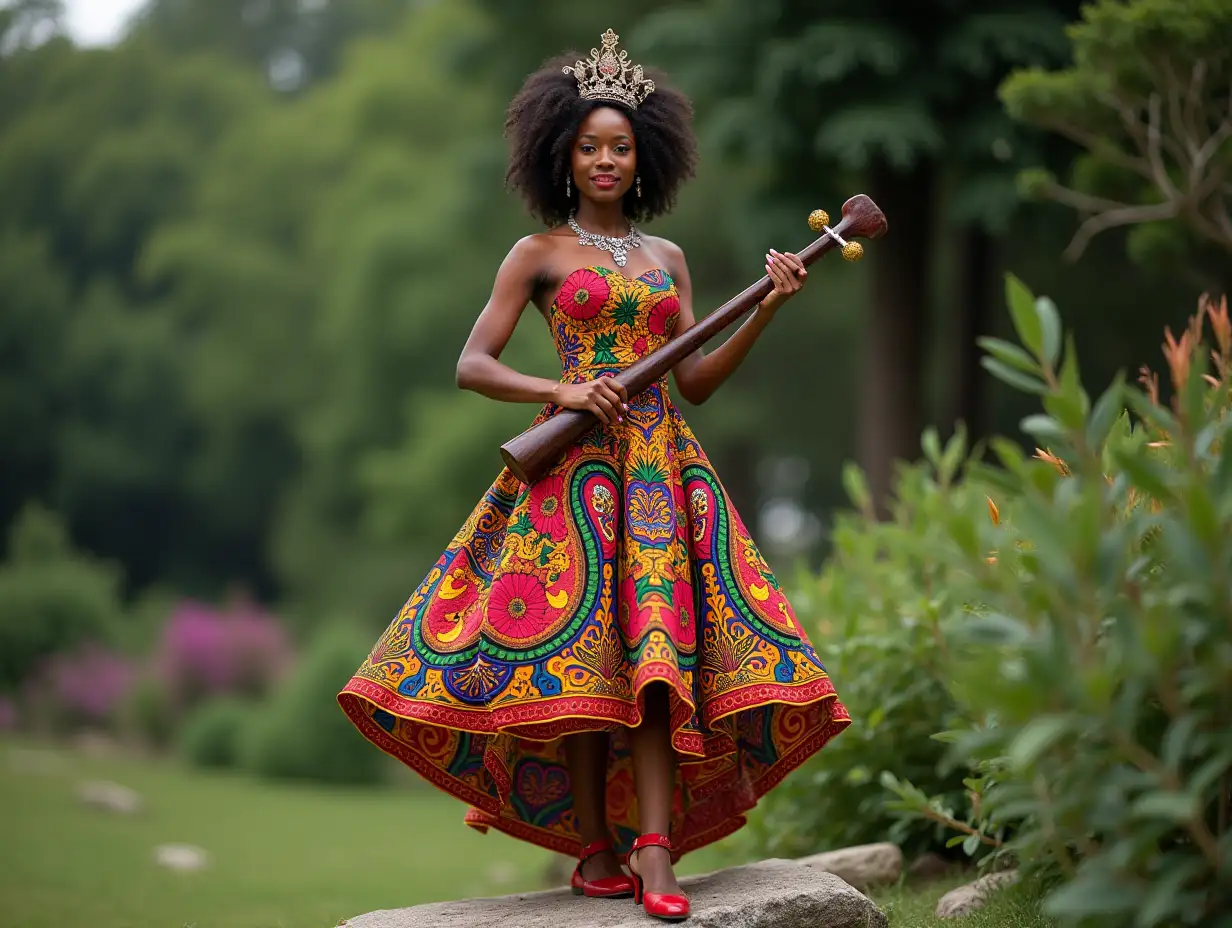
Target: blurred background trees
x: 242, y: 248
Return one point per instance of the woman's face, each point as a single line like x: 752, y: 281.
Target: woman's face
x: 604, y: 159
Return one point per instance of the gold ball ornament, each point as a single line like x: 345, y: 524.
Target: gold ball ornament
x: 853, y: 251
x: 818, y: 220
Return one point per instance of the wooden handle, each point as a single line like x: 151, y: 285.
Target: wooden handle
x: 532, y: 454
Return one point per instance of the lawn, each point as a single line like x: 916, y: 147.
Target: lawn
x: 281, y: 856
x: 913, y: 907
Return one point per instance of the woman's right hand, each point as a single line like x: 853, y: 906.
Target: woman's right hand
x: 606, y: 398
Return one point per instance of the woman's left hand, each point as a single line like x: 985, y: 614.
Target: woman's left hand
x: 788, y: 273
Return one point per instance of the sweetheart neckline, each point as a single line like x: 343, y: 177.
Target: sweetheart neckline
x: 593, y: 267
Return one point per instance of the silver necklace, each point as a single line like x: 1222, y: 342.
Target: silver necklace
x: 619, y: 247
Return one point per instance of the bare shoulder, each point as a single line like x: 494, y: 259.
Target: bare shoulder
x: 531, y: 251
x: 668, y: 253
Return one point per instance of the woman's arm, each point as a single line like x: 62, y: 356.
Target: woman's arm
x: 480, y: 368
x: 699, y: 375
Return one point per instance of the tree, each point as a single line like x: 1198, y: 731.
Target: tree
x: 26, y: 23
x: 295, y: 42
x: 98, y: 148
x: 902, y: 98
x: 1149, y: 100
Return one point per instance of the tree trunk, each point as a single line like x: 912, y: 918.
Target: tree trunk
x: 976, y: 270
x: 891, y: 411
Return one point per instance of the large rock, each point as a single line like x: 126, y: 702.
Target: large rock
x: 770, y: 894
x: 960, y: 902
x: 862, y: 866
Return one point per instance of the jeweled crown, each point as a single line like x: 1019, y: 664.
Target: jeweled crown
x: 607, y: 75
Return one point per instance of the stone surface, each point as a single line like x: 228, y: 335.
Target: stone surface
x: 183, y: 857
x: 974, y: 896
x: 110, y: 796
x: 770, y: 894
x: 862, y: 866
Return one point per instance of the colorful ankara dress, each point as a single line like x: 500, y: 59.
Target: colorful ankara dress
x: 556, y: 603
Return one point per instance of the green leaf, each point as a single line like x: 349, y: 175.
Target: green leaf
x: 996, y: 629
x: 1009, y: 354
x: 856, y: 485
x: 1022, y: 310
x: 1091, y: 894
x: 931, y: 444
x: 1157, y: 416
x: 1195, y: 391
x: 1016, y: 379
x: 1166, y: 898
x: 1069, y: 403
x: 1045, y: 429
x: 1050, y: 324
x: 1177, y: 808
x: 1036, y: 737
x: 1108, y: 408
x: 1221, y: 479
x: 971, y: 844
x: 965, y: 534
x: 1203, y: 518
x: 995, y: 478
x: 1009, y: 453
x: 1205, y: 776
x: 953, y: 454
x: 1176, y: 741
x: 1145, y: 474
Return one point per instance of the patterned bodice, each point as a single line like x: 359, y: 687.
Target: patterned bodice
x: 603, y: 321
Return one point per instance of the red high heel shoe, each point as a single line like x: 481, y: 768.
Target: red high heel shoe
x: 661, y: 905
x: 606, y: 887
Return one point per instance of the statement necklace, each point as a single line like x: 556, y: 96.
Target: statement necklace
x: 619, y: 247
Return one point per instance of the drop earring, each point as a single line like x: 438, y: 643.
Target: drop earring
x: 568, y: 186
x: 638, y: 184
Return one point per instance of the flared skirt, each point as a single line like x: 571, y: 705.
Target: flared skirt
x: 557, y: 604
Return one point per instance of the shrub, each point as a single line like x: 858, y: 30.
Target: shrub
x: 301, y: 734
x: 204, y: 652
x: 875, y: 612
x: 83, y: 688
x: 211, y: 734
x: 148, y: 715
x: 52, y: 598
x: 1093, y: 662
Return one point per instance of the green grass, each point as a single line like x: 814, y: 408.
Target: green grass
x: 281, y: 856
x: 909, y: 906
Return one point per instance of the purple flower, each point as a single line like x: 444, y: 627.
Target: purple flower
x: 207, y: 652
x: 86, y: 685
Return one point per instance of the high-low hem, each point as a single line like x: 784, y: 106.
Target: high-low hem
x: 558, y: 603
x: 485, y: 810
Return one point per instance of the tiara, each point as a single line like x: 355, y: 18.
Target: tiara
x: 607, y: 75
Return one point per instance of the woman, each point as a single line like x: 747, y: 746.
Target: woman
x: 603, y: 659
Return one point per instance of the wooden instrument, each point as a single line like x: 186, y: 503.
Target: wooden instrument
x: 532, y: 454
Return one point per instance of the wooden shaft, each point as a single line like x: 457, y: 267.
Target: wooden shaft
x: 533, y: 453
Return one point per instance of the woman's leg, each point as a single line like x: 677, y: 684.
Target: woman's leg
x: 586, y: 755
x: 654, y: 775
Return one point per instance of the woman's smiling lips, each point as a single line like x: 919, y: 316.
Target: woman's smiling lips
x: 605, y: 181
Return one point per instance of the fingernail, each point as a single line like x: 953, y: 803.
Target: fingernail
x: 770, y: 258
